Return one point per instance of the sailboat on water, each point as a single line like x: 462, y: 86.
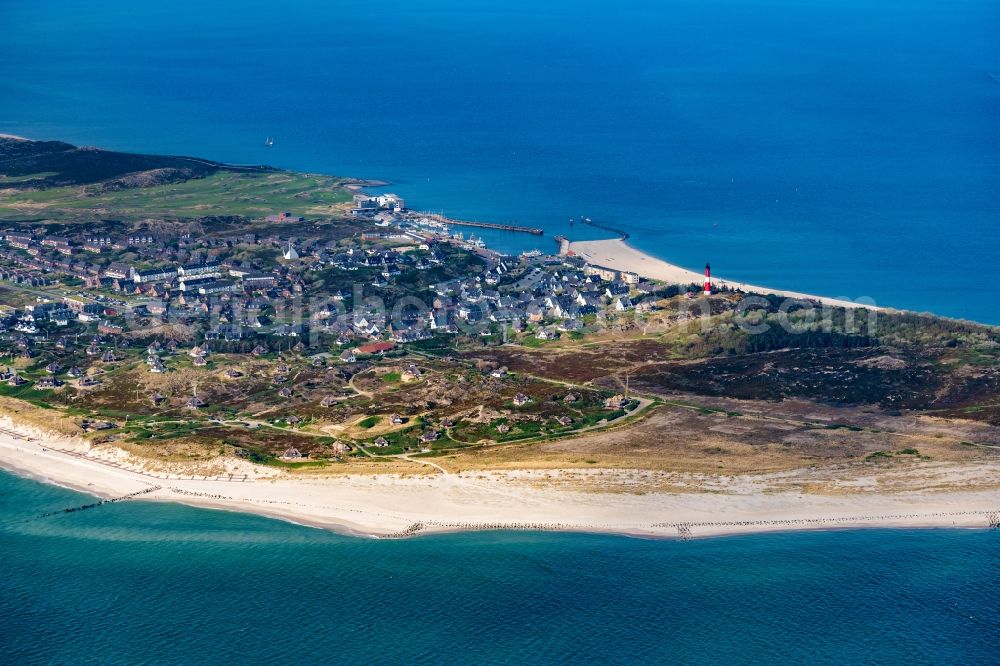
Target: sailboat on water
x: 268, y: 142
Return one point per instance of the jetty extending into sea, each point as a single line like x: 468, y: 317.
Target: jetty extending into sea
x: 437, y: 217
x: 502, y: 227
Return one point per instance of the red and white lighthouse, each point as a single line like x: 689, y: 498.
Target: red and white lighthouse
x: 708, y: 279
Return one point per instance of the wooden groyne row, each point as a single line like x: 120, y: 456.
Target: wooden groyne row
x: 418, y: 527
x: 532, y: 527
x: 991, y: 517
x: 412, y: 530
x: 193, y: 493
x: 94, y: 505
x: 685, y: 530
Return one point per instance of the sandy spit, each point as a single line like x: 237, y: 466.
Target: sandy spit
x: 619, y: 255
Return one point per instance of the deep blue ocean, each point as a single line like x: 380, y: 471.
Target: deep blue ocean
x: 142, y: 582
x: 840, y: 147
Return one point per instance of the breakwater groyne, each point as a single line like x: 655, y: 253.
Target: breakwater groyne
x: 93, y: 505
x: 686, y: 530
x: 622, y: 234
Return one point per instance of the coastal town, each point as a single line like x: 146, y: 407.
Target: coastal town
x: 242, y: 281
x: 293, y: 323
x: 231, y: 323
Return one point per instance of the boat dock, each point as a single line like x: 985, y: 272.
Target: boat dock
x: 535, y: 231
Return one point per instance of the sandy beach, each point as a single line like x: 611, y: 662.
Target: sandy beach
x: 393, y: 505
x: 619, y: 255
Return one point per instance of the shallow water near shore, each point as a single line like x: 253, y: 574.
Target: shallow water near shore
x: 138, y: 582
x: 841, y: 148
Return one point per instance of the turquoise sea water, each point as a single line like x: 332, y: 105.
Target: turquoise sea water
x: 141, y: 582
x: 841, y: 147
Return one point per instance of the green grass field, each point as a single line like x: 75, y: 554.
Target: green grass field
x: 223, y: 193
x: 5, y: 180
